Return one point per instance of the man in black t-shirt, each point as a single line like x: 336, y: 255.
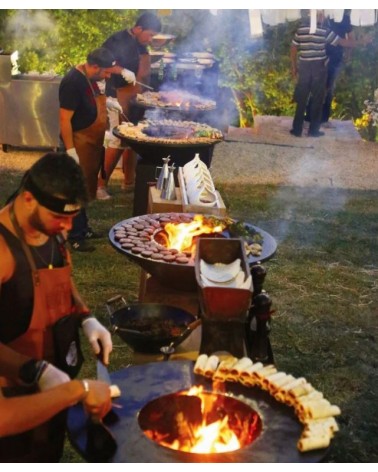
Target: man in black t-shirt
x: 129, y: 48
x: 82, y: 119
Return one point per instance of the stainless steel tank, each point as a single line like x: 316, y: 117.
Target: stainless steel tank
x: 29, y: 108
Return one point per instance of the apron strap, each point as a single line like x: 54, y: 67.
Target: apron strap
x: 25, y: 247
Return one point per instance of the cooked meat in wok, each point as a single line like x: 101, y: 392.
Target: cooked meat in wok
x: 155, y: 327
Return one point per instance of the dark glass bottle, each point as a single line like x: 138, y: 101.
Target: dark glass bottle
x: 258, y: 329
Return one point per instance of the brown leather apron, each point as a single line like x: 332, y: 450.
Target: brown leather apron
x: 52, y: 301
x: 89, y: 143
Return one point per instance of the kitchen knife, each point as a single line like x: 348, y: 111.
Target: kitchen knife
x: 103, y: 375
x: 102, y: 372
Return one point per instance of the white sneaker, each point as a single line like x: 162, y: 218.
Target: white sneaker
x: 102, y: 194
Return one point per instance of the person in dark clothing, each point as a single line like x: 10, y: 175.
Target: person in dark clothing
x: 82, y: 119
x: 129, y: 47
x: 311, y: 71
x: 335, y: 56
x: 21, y: 415
x: 39, y: 302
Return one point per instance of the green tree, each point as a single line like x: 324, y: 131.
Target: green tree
x: 55, y: 40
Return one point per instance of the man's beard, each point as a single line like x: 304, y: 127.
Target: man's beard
x: 36, y: 223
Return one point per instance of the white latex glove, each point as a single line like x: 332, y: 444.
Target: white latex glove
x: 95, y: 332
x: 51, y: 377
x: 101, y: 84
x: 128, y: 76
x: 113, y: 104
x: 72, y: 152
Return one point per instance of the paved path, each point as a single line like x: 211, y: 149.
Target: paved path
x: 268, y: 153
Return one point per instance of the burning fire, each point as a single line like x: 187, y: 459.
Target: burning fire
x: 208, y: 437
x: 180, y: 236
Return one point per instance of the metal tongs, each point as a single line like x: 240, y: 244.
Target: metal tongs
x: 144, y: 85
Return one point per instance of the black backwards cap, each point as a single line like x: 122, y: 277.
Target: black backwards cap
x: 52, y: 203
x: 101, y: 57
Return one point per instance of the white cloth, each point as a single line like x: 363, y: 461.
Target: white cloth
x: 362, y: 17
x: 274, y: 17
x: 255, y: 23
x: 312, y: 21
x: 98, y: 336
x: 128, y: 76
x: 101, y: 84
x: 51, y: 377
x: 110, y: 140
x: 73, y: 153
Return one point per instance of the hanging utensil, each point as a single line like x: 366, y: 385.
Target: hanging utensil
x: 169, y: 190
x: 163, y: 176
x: 169, y: 350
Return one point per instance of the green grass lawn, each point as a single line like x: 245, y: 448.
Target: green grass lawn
x: 322, y: 279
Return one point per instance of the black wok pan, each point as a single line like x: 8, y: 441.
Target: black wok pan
x: 144, y: 326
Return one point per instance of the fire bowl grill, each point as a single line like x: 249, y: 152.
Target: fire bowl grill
x: 180, y: 276
x: 142, y: 384
x: 142, y: 140
x: 159, y: 418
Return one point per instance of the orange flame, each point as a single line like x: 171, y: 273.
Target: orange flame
x: 180, y: 236
x: 215, y: 437
x: 208, y: 438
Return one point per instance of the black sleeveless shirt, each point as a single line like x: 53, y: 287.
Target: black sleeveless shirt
x: 16, y: 295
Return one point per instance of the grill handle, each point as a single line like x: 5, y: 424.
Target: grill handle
x: 114, y: 303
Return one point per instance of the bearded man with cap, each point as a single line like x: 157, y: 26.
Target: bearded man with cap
x: 40, y: 307
x: 83, y: 121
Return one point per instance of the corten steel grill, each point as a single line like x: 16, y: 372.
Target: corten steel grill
x: 150, y: 155
x: 139, y: 385
x: 175, y: 274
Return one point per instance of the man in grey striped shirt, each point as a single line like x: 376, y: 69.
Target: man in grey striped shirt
x: 309, y: 65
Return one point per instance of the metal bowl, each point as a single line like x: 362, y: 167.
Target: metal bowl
x: 146, y: 314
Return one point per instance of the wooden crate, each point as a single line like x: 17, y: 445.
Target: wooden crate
x: 219, y: 210
x: 158, y: 205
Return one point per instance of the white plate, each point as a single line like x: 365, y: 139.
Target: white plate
x: 236, y: 282
x: 220, y: 272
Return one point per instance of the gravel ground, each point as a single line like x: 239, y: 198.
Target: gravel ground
x: 270, y: 155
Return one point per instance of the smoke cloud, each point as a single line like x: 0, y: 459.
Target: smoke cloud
x: 26, y: 26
